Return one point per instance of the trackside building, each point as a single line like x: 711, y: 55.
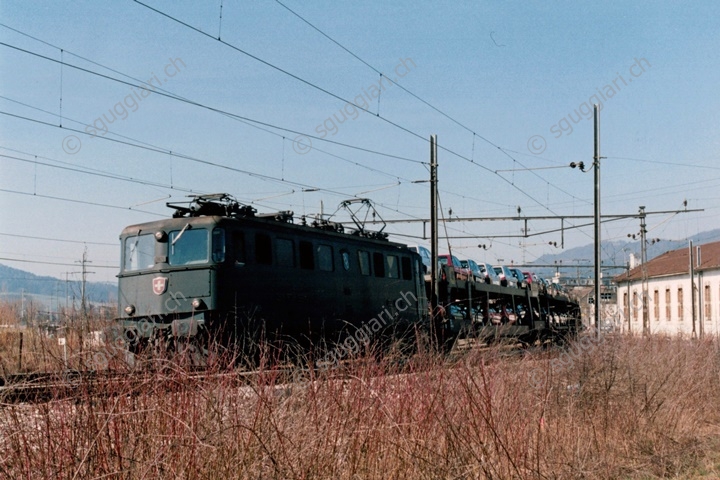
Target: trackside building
x: 677, y: 303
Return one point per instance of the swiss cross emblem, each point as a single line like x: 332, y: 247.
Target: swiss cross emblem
x: 159, y: 285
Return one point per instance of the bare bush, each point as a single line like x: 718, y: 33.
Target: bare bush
x: 626, y: 408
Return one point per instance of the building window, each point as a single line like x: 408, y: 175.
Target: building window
x: 625, y: 305
x: 668, y: 305
x: 708, y: 303
x: 635, y: 306
x: 656, y: 304
x: 680, y: 303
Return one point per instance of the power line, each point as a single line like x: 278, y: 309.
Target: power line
x: 58, y: 239
x: 374, y: 69
x: 234, y: 117
x: 213, y: 109
x: 154, y: 148
x: 247, y: 119
x: 99, y: 174
x: 338, y: 97
x: 660, y: 162
x: 187, y: 157
x: 84, y: 202
x: 282, y: 70
x: 274, y: 126
x: 170, y: 93
x: 164, y: 151
x: 116, y: 267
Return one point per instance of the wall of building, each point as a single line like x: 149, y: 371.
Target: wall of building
x: 670, y: 305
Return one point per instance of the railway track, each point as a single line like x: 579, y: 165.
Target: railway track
x: 43, y: 387
x: 168, y: 376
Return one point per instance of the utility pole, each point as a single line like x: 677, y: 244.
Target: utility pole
x: 67, y: 296
x: 644, y: 279
x: 434, y: 287
x: 598, y: 259
x: 699, y: 287
x: 83, y: 290
x: 433, y: 224
x: 84, y: 262
x: 67, y: 293
x: 692, y: 287
x: 629, y: 311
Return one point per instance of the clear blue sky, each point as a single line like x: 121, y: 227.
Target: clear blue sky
x: 503, y: 74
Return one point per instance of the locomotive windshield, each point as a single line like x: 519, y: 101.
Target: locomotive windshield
x: 189, y: 246
x: 139, y: 252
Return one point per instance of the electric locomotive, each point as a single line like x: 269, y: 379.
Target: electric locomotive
x: 219, y: 271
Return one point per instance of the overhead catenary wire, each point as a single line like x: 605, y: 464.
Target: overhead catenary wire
x: 344, y: 100
x: 272, y: 126
x: 154, y: 148
x: 175, y: 97
x: 417, y: 97
x: 72, y: 200
x: 209, y: 108
x: 253, y: 174
x: 64, y: 240
x: 116, y: 267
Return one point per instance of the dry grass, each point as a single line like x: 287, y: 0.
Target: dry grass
x: 618, y: 408
x: 29, y: 350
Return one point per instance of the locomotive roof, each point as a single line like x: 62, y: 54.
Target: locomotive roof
x: 221, y: 208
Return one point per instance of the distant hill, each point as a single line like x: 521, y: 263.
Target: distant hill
x: 579, y: 259
x: 51, y: 291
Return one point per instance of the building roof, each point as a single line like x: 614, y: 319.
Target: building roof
x: 676, y: 262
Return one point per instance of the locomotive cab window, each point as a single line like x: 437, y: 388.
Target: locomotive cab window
x: 139, y: 252
x: 364, y: 261
x: 406, y: 268
x: 218, y: 245
x: 307, y: 259
x: 345, y: 259
x: 238, y: 240
x: 393, y: 269
x: 189, y: 246
x: 325, y: 258
x: 379, y: 264
x: 285, y: 252
x: 263, y: 249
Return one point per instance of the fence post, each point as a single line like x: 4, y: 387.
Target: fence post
x: 20, y: 356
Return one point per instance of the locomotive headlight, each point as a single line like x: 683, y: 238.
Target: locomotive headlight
x: 197, y: 303
x: 160, y: 236
x: 130, y: 309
